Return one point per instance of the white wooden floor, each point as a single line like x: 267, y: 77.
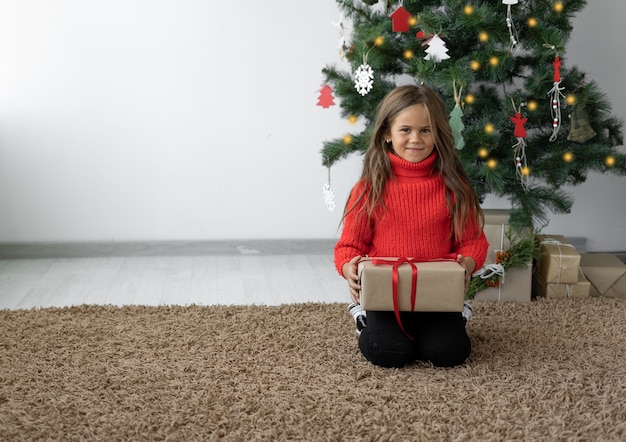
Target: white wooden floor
x: 247, y: 276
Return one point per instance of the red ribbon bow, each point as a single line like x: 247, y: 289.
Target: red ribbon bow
x: 395, y: 277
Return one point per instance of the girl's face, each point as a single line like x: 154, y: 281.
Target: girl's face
x: 411, y: 135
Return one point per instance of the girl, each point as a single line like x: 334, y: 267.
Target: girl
x: 414, y: 199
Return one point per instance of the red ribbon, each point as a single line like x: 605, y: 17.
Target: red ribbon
x: 395, y: 277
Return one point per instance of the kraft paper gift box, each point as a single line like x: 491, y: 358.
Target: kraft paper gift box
x: 440, y: 285
x: 547, y: 290
x: 606, y: 273
x: 495, y: 229
x: 517, y: 286
x: 559, y: 261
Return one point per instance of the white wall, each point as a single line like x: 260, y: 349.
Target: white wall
x: 597, y: 47
x: 196, y: 119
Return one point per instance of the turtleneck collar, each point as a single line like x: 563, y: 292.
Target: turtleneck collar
x: 404, y: 168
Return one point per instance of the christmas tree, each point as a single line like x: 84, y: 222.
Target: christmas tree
x: 526, y: 120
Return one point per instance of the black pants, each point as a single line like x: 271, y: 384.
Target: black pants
x: 437, y: 337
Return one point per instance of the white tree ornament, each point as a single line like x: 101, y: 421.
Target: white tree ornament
x: 364, y: 79
x: 329, y: 197
x: 437, y: 50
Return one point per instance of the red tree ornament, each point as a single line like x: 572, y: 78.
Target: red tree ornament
x: 400, y: 20
x: 555, y: 98
x: 326, y: 97
x: 519, y: 149
x: 557, y: 69
x: 520, y: 130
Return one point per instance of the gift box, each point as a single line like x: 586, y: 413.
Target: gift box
x: 495, y: 229
x: 516, y: 286
x: 559, y: 261
x: 550, y: 290
x: 606, y: 273
x: 440, y: 285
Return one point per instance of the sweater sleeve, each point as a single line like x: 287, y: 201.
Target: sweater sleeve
x: 474, y: 244
x: 356, y: 236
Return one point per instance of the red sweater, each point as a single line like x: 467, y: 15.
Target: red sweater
x: 414, y: 222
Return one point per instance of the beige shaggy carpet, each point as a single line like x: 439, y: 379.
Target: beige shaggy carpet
x: 545, y: 370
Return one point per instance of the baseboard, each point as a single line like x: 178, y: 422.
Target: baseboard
x: 167, y: 248
x: 179, y: 248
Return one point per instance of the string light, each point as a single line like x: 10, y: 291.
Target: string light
x: 347, y: 139
x: 571, y: 99
x: 492, y: 164
x: 532, y: 105
x: 489, y: 128
x: 610, y: 161
x: 568, y: 157
x: 483, y: 37
x: 474, y: 65
x: 483, y: 152
x: 352, y: 119
x: 558, y: 7
x: 470, y: 99
x: 408, y: 54
x: 494, y: 61
x: 532, y: 22
x: 378, y: 41
x: 468, y: 10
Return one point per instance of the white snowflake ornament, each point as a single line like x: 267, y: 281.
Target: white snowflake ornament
x: 364, y: 79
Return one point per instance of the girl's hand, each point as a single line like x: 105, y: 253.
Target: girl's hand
x: 350, y: 272
x: 469, y: 265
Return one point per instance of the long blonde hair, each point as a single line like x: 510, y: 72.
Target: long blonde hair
x: 461, y: 198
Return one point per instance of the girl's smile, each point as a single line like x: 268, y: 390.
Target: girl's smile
x: 411, y: 135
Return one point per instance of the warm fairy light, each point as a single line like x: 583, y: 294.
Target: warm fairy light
x: 474, y: 65
x: 532, y: 22
x: 610, y: 161
x: 489, y: 128
x: 558, y: 7
x: 468, y: 10
x: 347, y: 139
x: 571, y: 99
x: 470, y: 99
x: 483, y: 152
x: 532, y: 105
x: 378, y: 41
x: 408, y: 54
x: 492, y: 164
x: 352, y: 119
x: 412, y: 21
x: 568, y: 157
x: 494, y: 61
x: 483, y: 37
x: 526, y: 171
